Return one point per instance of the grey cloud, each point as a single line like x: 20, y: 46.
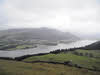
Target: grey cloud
x: 72, y: 15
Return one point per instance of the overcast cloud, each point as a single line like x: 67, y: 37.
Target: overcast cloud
x: 80, y: 16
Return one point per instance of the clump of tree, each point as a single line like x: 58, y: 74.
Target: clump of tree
x: 86, y: 54
x: 91, y: 55
x: 76, y: 53
x: 63, y: 50
x: 83, y: 54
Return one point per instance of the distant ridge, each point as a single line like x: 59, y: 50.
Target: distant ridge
x: 36, y: 33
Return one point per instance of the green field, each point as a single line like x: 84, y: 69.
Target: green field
x: 21, y: 68
x: 14, y: 45
x: 83, y: 61
x: 22, y: 47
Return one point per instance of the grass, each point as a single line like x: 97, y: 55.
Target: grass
x: 84, y: 61
x: 21, y: 68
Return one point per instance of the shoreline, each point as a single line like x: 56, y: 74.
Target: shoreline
x: 39, y: 54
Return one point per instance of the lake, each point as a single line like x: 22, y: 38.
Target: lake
x: 44, y: 49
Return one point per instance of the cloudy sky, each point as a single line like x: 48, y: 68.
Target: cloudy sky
x: 81, y: 16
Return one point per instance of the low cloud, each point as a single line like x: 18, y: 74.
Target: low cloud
x: 81, y: 16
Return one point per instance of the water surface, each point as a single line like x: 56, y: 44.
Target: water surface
x: 44, y: 49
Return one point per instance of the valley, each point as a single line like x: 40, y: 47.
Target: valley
x: 27, y: 52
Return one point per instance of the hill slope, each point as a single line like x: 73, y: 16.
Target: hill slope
x: 94, y: 46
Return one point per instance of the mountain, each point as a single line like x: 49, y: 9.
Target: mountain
x: 36, y: 33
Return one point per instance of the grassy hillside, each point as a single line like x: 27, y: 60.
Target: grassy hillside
x: 90, y: 61
x: 21, y: 68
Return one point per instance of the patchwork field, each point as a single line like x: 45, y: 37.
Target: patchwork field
x: 89, y: 59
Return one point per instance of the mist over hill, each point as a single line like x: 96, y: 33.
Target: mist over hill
x: 36, y: 33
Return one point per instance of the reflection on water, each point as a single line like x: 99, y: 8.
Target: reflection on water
x: 44, y: 49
